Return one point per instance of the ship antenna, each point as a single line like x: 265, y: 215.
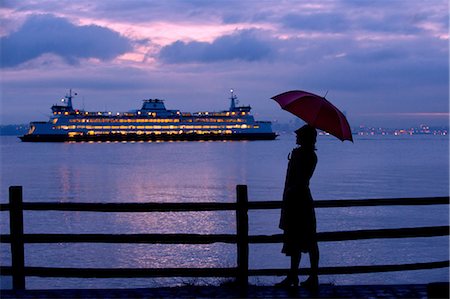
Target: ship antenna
x: 325, y: 94
x: 233, y: 98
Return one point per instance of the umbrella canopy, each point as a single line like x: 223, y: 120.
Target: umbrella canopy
x: 316, y: 111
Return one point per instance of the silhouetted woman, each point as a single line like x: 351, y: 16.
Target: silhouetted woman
x: 298, y: 219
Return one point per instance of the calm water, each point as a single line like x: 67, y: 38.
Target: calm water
x: 372, y: 167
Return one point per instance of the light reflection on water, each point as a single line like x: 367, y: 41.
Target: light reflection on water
x: 375, y: 167
x: 133, y: 255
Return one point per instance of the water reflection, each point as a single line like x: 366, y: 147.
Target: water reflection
x: 131, y: 255
x: 209, y: 171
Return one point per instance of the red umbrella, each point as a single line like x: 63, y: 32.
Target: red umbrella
x: 316, y: 111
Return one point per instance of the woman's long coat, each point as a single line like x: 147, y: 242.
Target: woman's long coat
x: 298, y: 219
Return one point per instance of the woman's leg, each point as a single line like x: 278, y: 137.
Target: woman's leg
x: 313, y: 281
x: 295, y: 263
x: 292, y: 277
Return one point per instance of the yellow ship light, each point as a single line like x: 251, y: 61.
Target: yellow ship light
x: 73, y: 134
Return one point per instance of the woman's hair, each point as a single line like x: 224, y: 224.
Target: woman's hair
x: 308, y: 135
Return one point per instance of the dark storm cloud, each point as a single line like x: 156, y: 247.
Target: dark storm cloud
x: 369, y: 16
x: 43, y: 34
x: 245, y: 45
x: 341, y: 23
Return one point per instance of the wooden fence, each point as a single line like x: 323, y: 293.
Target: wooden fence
x: 18, y: 270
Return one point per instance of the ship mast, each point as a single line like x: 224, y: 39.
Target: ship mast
x: 69, y: 100
x: 233, y: 98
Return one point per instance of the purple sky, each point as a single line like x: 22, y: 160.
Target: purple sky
x: 383, y: 62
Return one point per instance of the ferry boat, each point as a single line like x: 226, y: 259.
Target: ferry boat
x: 152, y: 122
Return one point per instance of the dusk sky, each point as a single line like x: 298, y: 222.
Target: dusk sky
x: 383, y: 62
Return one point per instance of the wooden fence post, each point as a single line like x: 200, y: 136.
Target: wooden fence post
x: 16, y: 232
x: 242, y: 235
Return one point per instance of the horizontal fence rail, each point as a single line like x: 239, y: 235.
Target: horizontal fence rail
x: 126, y: 207
x: 212, y: 272
x: 387, y: 233
x: 207, y: 206
x: 241, y: 272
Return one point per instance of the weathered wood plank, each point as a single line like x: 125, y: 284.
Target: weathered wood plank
x: 410, y: 201
x: 242, y: 235
x: 387, y: 233
x: 430, y: 231
x: 17, y: 238
x: 124, y: 272
x: 208, y: 206
x: 355, y: 269
x: 126, y: 238
x: 213, y: 272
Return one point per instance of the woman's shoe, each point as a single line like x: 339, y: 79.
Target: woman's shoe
x: 312, y: 283
x: 290, y: 281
